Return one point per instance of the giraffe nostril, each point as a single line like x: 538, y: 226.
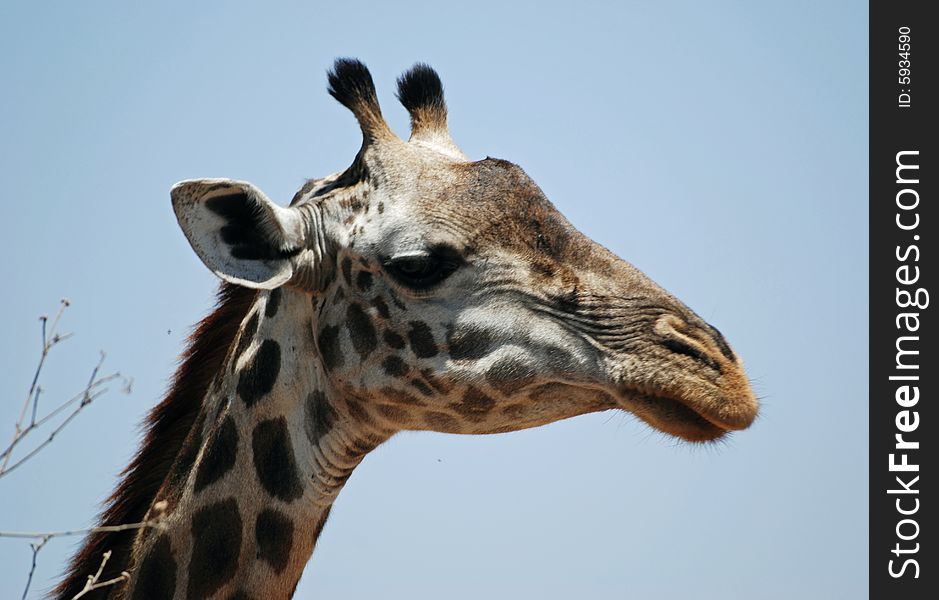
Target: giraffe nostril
x: 675, y: 336
x: 722, y: 343
x: 680, y: 346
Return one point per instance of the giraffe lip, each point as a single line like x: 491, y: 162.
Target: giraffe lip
x: 676, y: 417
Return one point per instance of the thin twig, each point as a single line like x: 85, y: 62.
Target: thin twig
x: 42, y: 538
x: 124, y: 576
x: 93, y: 389
x: 47, y: 344
x: 92, y: 579
x: 93, y: 584
x: 85, y: 398
x: 36, y: 547
x: 41, y: 535
x: 32, y: 420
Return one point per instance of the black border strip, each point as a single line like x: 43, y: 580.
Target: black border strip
x: 904, y: 370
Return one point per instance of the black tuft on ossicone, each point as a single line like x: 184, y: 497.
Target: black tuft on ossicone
x: 420, y: 89
x: 351, y: 84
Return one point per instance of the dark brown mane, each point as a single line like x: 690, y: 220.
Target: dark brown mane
x: 166, y: 428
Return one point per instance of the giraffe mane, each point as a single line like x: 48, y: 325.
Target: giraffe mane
x: 165, y: 429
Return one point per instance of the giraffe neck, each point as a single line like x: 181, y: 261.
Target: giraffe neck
x: 254, y: 483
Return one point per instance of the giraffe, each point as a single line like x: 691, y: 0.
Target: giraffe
x: 416, y: 290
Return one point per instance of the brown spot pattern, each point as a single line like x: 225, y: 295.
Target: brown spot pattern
x: 394, y: 340
x: 320, y: 416
x: 273, y: 532
x: 219, y: 456
x: 467, y: 342
x: 361, y: 331
x: 393, y: 413
x: 247, y: 334
x: 422, y: 387
x: 422, y: 340
x: 216, y: 547
x: 439, y: 421
x: 363, y: 281
x: 156, y: 576
x: 515, y: 411
x: 475, y: 405
x: 401, y: 397
x: 394, y: 366
x: 273, y: 302
x: 328, y: 343
x: 274, y: 461
x: 258, y: 379
x: 381, y: 307
x: 357, y: 412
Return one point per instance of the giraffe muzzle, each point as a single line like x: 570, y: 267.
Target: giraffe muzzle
x: 691, y: 384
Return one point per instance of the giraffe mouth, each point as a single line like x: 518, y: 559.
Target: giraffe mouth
x: 677, y: 418
x: 696, y: 407
x: 692, y: 412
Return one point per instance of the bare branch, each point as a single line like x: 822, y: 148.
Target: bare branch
x: 93, y: 582
x: 57, y: 419
x: 42, y: 538
x: 36, y: 547
x: 47, y: 535
x: 94, y: 388
x: 47, y: 345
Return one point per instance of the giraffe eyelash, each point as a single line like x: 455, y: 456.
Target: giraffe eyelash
x: 420, y: 272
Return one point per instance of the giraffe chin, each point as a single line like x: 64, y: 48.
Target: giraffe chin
x: 675, y: 418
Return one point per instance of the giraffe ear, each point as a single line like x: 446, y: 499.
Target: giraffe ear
x: 241, y: 235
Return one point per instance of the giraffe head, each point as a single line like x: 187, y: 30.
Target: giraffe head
x: 450, y: 295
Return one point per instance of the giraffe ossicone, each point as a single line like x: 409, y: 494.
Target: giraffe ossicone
x: 416, y: 290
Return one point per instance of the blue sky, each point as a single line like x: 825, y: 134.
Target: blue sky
x: 720, y: 147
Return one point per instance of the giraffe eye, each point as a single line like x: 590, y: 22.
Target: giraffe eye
x: 421, y: 271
